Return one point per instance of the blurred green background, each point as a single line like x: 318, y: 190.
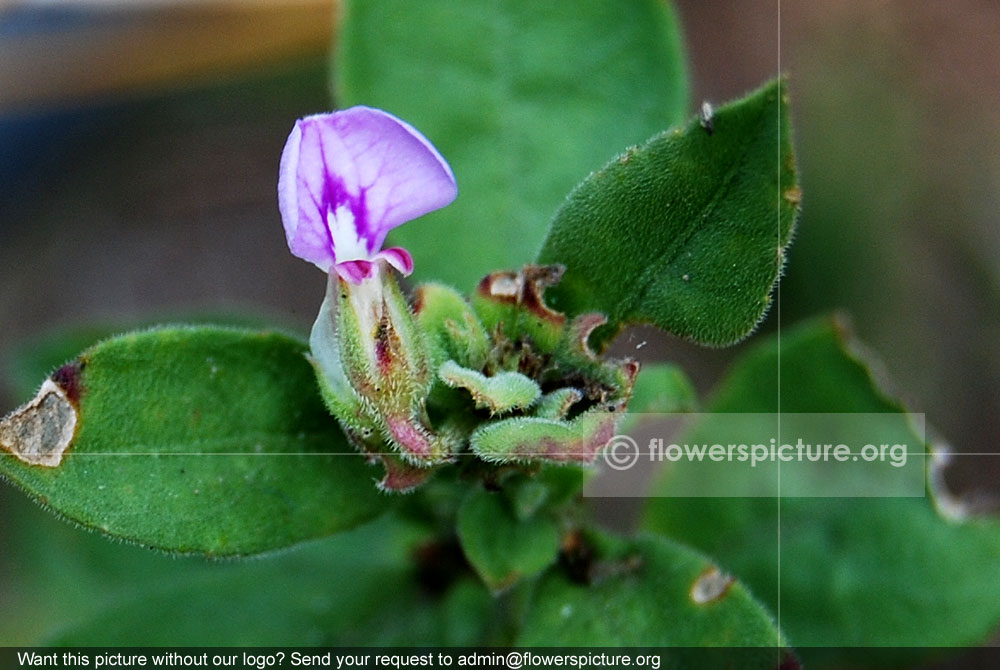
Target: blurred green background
x: 139, y: 145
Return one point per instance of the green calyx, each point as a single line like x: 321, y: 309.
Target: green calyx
x: 500, y: 379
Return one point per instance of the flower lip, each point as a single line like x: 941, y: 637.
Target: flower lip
x: 349, y: 177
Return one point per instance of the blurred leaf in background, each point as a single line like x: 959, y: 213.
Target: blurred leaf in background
x: 523, y: 98
x: 849, y: 571
x: 147, y: 190
x: 138, y: 154
x: 899, y: 152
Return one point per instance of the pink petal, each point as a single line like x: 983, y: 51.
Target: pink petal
x: 305, y: 224
x: 399, y: 258
x: 355, y: 271
x: 379, y: 167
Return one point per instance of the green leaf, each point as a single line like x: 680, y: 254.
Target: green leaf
x: 500, y: 393
x: 451, y: 328
x: 502, y: 547
x: 358, y: 588
x: 687, y: 232
x: 521, y: 98
x: 531, y: 438
x: 191, y: 440
x: 853, y: 571
x: 556, y: 404
x: 35, y: 358
x: 648, y: 592
x: 550, y: 489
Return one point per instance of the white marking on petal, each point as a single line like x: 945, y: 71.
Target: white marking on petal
x: 347, y: 244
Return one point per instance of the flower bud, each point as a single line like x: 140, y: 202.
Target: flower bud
x: 375, y: 369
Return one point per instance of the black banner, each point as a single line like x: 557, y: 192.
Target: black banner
x: 405, y: 658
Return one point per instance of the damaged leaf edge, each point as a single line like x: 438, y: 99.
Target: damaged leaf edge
x: 41, y: 431
x: 949, y: 506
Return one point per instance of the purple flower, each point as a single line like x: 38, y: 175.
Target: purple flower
x: 348, y: 178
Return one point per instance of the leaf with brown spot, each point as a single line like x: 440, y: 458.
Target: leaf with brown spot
x: 711, y: 585
x: 643, y: 598
x: 192, y: 440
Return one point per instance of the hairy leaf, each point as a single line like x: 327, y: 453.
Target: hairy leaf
x: 686, y: 232
x: 503, y: 392
x: 193, y: 440
x: 451, y: 328
x: 530, y: 438
x: 647, y: 592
